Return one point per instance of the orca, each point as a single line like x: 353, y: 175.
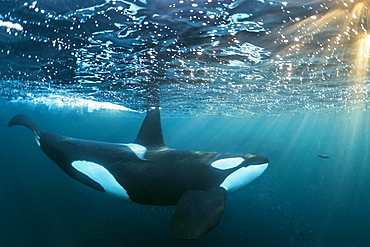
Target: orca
x: 148, y: 172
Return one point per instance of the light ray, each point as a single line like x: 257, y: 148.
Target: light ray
x: 331, y: 47
x: 361, y: 61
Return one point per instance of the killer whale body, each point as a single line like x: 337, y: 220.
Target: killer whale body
x: 148, y: 172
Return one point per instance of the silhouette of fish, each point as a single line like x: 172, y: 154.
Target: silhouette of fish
x: 323, y: 156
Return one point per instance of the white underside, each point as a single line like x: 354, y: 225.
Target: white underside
x: 243, y: 176
x: 102, y: 176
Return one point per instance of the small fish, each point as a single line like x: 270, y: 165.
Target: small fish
x: 323, y: 156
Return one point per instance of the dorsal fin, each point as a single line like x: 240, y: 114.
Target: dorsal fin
x: 150, y: 134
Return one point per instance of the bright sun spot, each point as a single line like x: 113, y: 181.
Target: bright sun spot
x: 330, y: 46
x: 340, y: 33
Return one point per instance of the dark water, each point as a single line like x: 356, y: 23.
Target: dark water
x: 283, y: 79
x: 301, y: 200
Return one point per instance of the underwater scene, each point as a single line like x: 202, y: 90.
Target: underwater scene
x: 236, y: 82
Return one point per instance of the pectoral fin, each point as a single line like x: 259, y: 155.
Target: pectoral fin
x: 197, y: 213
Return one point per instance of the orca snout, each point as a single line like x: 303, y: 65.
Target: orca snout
x: 254, y: 159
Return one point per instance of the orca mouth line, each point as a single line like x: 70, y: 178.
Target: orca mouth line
x: 258, y: 164
x: 262, y: 165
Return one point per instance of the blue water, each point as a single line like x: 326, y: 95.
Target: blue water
x: 301, y: 200
x: 283, y: 79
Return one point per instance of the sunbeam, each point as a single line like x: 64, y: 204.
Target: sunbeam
x: 361, y: 62
x: 327, y: 48
x: 339, y: 34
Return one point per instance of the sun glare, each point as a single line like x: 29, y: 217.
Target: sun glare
x: 325, y: 50
x: 361, y: 62
x: 338, y: 35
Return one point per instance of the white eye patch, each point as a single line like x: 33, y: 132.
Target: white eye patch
x: 224, y: 164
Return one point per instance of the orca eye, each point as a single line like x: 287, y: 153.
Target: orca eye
x: 224, y: 164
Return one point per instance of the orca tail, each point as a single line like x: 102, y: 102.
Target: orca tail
x: 25, y: 121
